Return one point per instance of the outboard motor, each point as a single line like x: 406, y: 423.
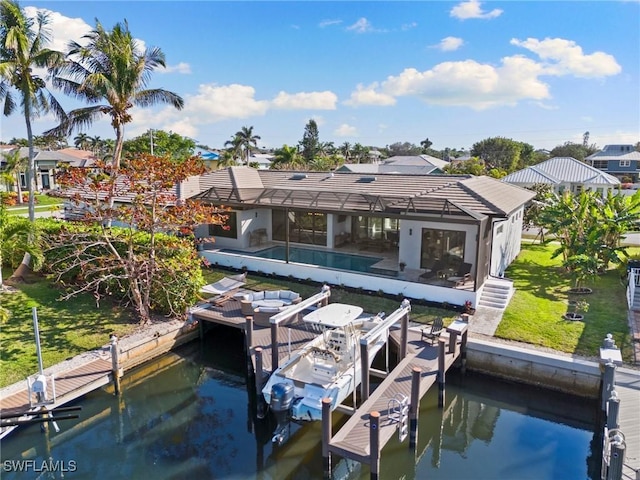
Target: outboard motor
x: 281, y: 398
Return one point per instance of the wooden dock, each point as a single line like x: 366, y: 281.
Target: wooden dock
x: 352, y: 440
x: 628, y: 390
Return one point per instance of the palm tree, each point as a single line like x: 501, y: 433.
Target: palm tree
x: 81, y: 141
x: 345, y: 149
x: 96, y: 145
x: 15, y: 165
x: 247, y: 142
x: 22, y: 47
x: 226, y: 158
x: 110, y: 68
x: 286, y: 157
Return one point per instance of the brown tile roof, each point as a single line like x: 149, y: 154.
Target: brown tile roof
x: 441, y: 194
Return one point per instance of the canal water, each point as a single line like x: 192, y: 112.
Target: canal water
x: 189, y: 415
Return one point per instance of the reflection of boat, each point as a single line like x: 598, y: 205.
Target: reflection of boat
x: 328, y: 366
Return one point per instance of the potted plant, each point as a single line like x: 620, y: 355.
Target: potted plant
x: 577, y: 306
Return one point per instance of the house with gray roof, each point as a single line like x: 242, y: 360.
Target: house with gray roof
x: 564, y: 174
x: 621, y: 161
x: 443, y: 238
x: 404, y: 164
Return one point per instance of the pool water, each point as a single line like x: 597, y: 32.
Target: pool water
x: 189, y: 415
x: 342, y: 261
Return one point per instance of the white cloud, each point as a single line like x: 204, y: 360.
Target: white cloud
x: 345, y: 130
x: 361, y: 26
x: 369, y: 96
x: 587, y: 119
x: 449, y: 44
x: 182, y: 67
x: 565, y: 57
x: 62, y: 29
x: 329, y: 23
x: 408, y: 26
x: 216, y: 102
x: 305, y: 100
x: 480, y: 86
x: 471, y: 9
x: 472, y: 84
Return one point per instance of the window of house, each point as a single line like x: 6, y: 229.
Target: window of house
x: 499, y: 230
x: 625, y: 163
x: 601, y: 164
x: 23, y: 180
x: 304, y: 227
x: 442, y: 249
x: 228, y: 230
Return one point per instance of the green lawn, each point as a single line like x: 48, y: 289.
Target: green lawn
x: 66, y: 328
x: 536, y: 309
x: 43, y: 202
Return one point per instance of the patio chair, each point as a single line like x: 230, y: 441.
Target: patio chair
x: 225, y: 289
x: 462, y: 275
x: 432, y: 330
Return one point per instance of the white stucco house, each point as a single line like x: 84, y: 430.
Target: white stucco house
x: 443, y: 238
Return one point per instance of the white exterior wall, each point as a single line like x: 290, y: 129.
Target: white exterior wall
x: 248, y: 221
x: 506, y: 245
x: 411, y: 238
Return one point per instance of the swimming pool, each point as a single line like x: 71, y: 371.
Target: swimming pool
x: 342, y: 261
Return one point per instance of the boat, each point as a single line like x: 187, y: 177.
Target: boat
x: 328, y: 366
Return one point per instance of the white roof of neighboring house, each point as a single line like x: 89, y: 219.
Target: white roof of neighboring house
x: 558, y: 170
x: 405, y: 164
x: 616, y: 152
x: 416, y: 160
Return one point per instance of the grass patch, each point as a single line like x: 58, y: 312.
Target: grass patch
x: 535, y: 313
x: 66, y: 328
x: 43, y: 202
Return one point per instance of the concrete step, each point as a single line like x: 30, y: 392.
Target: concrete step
x: 488, y: 303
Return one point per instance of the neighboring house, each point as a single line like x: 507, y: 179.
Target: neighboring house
x: 262, y: 159
x: 48, y: 161
x: 411, y: 235
x: 618, y: 160
x: 564, y: 174
x: 410, y: 164
x: 209, y: 158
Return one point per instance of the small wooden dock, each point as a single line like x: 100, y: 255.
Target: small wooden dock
x: 352, y: 440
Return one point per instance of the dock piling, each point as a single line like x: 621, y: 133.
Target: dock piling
x: 249, y: 333
x: 326, y: 437
x: 613, y: 410
x: 274, y: 347
x: 259, y: 382
x: 441, y: 371
x: 404, y: 328
x: 374, y: 444
x: 115, y: 369
x: 608, y: 383
x: 364, y: 366
x: 463, y: 352
x: 414, y: 408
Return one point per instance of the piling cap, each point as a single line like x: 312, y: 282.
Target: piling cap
x: 609, y: 342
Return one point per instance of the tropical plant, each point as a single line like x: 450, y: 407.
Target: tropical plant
x: 111, y: 67
x: 15, y: 164
x: 82, y: 141
x: 243, y: 143
x: 22, y: 48
x: 286, y: 157
x: 19, y: 239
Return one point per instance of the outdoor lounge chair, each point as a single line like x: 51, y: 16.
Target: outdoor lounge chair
x: 432, y: 330
x: 462, y: 275
x: 225, y: 288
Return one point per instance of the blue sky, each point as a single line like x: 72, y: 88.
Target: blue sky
x: 542, y: 72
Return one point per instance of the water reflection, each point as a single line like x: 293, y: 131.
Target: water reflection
x: 190, y: 415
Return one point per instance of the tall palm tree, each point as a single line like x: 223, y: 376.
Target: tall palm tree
x: 247, y: 142
x: 110, y: 68
x: 22, y: 48
x: 81, y: 141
